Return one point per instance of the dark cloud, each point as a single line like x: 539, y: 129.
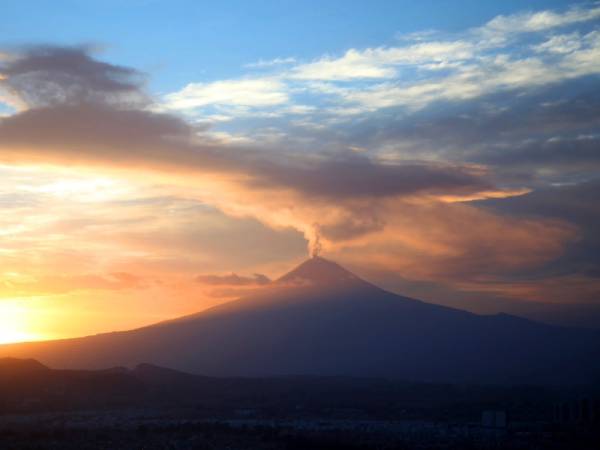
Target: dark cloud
x: 536, y: 136
x: 46, y: 76
x: 97, y: 133
x: 355, y: 176
x: 92, y: 133
x: 567, y: 156
x: 232, y: 279
x: 69, y: 121
x: 576, y: 204
x: 568, y: 108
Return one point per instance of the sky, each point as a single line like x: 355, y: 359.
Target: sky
x: 158, y: 158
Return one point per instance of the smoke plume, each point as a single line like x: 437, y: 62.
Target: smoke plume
x: 314, y: 244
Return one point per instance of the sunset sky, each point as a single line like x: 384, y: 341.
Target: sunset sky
x: 157, y: 158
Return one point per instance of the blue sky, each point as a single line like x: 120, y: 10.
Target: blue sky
x: 180, y: 41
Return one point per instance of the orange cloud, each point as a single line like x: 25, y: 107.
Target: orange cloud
x: 18, y: 285
x: 439, y: 241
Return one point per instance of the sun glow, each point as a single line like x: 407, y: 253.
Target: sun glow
x: 13, y: 322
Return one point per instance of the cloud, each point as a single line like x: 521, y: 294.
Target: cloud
x: 543, y: 136
x: 430, y: 53
x: 417, y: 243
x: 47, y: 76
x: 492, y: 74
x: 12, y: 285
x: 232, y: 279
x: 529, y: 22
x: 562, y: 43
x: 270, y: 63
x: 380, y: 62
x: 231, y: 286
x: 576, y: 203
x: 95, y: 134
x: 352, y: 65
x: 237, y: 93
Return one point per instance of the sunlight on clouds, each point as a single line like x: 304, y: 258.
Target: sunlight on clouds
x: 270, y: 63
x: 562, y: 43
x: 123, y: 245
x: 426, y: 241
x: 539, y: 21
x: 244, y: 92
x: 352, y: 65
x: 83, y: 189
x: 380, y: 62
x: 493, y: 74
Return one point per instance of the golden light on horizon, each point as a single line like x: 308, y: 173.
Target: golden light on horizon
x: 14, y: 325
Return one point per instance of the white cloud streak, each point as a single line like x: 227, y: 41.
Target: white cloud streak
x: 244, y: 92
x: 530, y: 22
x: 261, y: 64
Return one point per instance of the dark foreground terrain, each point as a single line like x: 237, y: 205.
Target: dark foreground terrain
x: 156, y: 408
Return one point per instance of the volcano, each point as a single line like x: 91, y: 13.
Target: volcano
x: 321, y: 319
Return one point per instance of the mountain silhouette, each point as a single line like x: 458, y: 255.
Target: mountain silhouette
x: 320, y: 319
x: 28, y: 385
